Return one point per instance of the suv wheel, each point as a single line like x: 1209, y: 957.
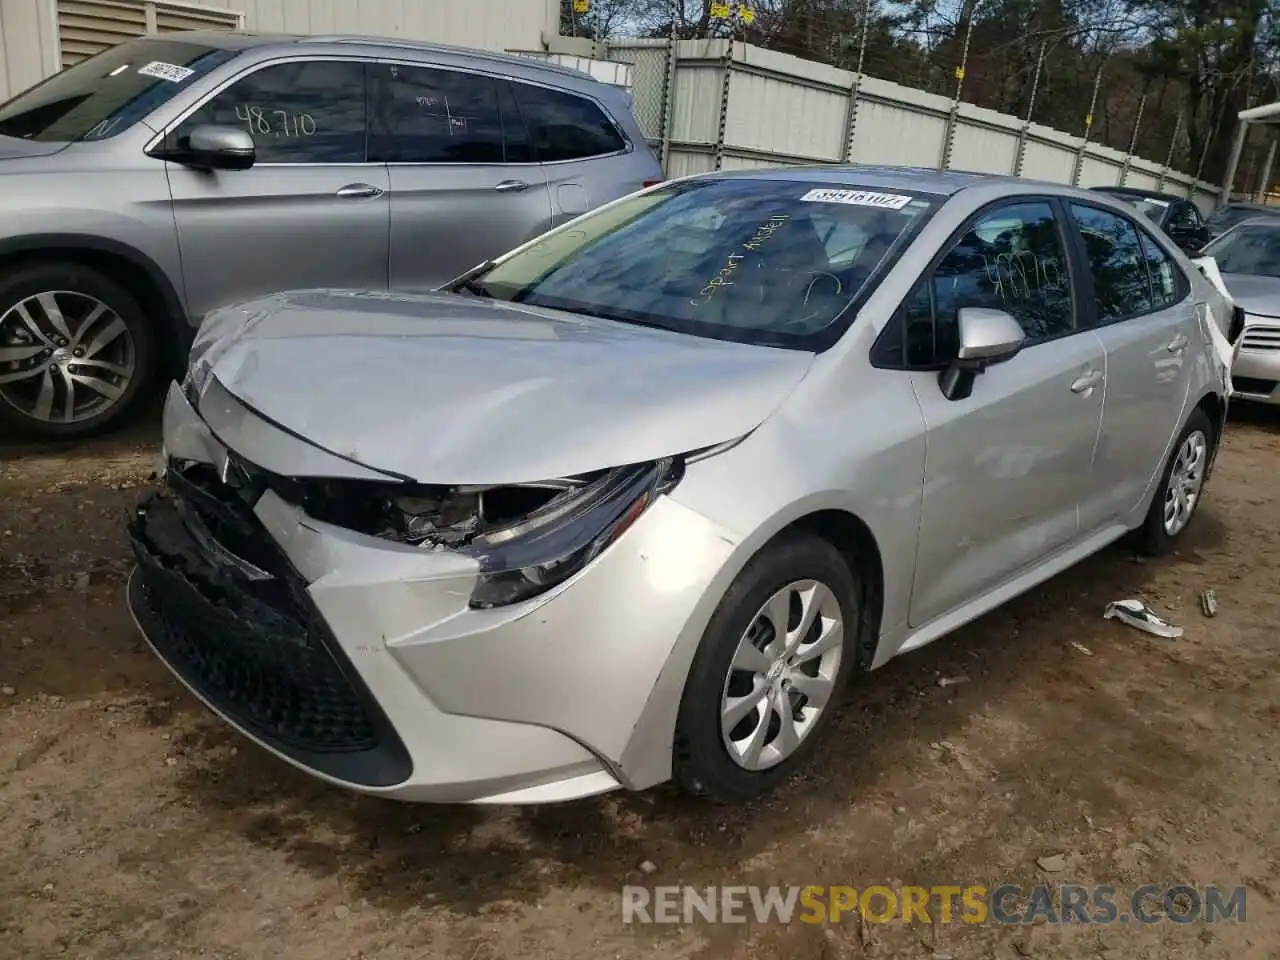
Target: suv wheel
x: 75, y: 349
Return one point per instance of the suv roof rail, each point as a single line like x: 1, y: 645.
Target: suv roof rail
x: 424, y: 46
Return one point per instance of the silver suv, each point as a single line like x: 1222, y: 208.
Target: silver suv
x: 168, y: 176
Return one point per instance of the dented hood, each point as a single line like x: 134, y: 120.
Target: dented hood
x: 454, y: 390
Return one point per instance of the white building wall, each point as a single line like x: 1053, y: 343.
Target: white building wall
x: 28, y: 44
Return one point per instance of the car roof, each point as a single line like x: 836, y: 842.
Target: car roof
x: 930, y: 180
x: 240, y: 40
x: 1139, y: 192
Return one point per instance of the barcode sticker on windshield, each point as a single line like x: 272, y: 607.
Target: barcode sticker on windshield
x: 858, y: 198
x: 166, y: 71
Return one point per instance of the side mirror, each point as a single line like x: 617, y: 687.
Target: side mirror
x: 986, y: 337
x: 217, y: 147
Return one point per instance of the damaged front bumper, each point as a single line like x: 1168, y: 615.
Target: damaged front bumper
x: 362, y: 661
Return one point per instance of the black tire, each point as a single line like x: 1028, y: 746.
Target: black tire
x: 1154, y: 537
x: 32, y: 279
x: 702, y: 764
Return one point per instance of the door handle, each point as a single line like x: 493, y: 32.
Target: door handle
x: 511, y: 186
x: 1177, y: 344
x: 358, y: 191
x: 1086, y: 381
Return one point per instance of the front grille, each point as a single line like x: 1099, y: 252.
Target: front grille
x: 1266, y: 338
x: 244, y: 634
x: 1253, y: 385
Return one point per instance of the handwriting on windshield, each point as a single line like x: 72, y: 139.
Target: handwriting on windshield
x: 724, y: 278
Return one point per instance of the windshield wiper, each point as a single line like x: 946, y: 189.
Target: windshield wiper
x: 470, y: 281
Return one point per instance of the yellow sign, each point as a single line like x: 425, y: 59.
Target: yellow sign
x: 959, y: 73
x: 581, y: 6
x: 720, y: 11
x: 746, y: 15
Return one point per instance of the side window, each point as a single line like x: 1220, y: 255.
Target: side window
x: 1012, y: 259
x: 1185, y: 216
x: 423, y: 115
x: 1167, y: 282
x: 1120, y: 281
x: 515, y: 138
x: 564, y: 126
x: 309, y: 111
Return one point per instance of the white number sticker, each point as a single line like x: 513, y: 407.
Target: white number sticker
x: 165, y: 71
x: 858, y: 198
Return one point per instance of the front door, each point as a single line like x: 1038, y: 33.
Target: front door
x: 311, y: 212
x: 1006, y: 467
x: 1146, y: 319
x: 464, y: 186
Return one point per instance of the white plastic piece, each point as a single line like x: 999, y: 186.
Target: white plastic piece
x: 1137, y: 614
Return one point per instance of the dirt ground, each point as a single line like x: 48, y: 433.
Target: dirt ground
x: 134, y: 825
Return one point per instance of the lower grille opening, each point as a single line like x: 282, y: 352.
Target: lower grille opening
x: 257, y: 650
x: 1253, y: 385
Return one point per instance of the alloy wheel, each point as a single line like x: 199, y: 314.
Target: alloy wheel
x: 782, y: 675
x: 1186, y: 480
x: 65, y: 357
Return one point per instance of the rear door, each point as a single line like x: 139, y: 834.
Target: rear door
x: 464, y: 184
x: 587, y: 159
x: 1143, y: 312
x: 311, y: 212
x: 1006, y: 467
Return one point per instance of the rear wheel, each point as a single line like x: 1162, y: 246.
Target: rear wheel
x: 764, y: 683
x: 1181, y: 486
x: 75, y: 349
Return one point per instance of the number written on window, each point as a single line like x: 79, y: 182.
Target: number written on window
x: 276, y: 123
x: 298, y: 112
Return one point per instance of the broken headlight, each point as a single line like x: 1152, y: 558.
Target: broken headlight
x: 530, y: 555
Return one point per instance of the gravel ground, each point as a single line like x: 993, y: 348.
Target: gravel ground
x: 137, y: 826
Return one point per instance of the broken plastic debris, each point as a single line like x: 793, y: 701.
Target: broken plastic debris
x: 1082, y: 648
x: 1209, y: 603
x: 1137, y: 614
x: 952, y: 681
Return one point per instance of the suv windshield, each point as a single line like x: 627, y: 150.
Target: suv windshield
x: 108, y: 93
x: 1252, y: 249
x: 1229, y: 216
x: 767, y: 262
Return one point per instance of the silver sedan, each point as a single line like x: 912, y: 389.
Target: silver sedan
x: 633, y: 502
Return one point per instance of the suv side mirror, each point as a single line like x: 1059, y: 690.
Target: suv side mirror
x: 986, y: 337
x: 217, y: 147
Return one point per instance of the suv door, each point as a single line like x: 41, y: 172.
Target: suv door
x: 464, y: 184
x: 311, y: 212
x: 1006, y: 467
x: 1142, y: 310
x: 584, y: 154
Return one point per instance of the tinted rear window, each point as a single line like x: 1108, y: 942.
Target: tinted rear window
x: 564, y: 126
x: 106, y: 94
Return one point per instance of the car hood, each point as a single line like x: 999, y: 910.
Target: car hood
x: 13, y: 148
x: 447, y: 389
x: 1256, y: 295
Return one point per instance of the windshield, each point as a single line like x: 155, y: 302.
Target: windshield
x: 768, y: 262
x: 108, y: 93
x: 1252, y: 249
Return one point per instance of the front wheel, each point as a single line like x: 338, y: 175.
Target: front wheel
x: 764, y: 683
x: 1181, y: 486
x: 75, y: 349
